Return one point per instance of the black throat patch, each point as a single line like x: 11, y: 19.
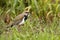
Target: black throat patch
x: 25, y: 17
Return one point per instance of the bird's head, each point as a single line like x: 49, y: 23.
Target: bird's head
x: 27, y: 12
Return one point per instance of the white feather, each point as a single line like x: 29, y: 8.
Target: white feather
x: 22, y: 22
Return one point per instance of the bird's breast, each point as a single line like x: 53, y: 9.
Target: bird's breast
x: 22, y: 22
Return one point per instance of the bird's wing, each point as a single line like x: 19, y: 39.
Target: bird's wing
x: 19, y: 17
x: 15, y: 22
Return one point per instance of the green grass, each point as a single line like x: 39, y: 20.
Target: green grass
x: 38, y: 26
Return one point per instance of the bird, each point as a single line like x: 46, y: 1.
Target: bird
x: 21, y: 18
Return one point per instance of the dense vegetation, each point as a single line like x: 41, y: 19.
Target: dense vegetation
x: 42, y: 24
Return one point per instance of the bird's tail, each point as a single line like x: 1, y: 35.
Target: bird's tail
x: 8, y: 27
